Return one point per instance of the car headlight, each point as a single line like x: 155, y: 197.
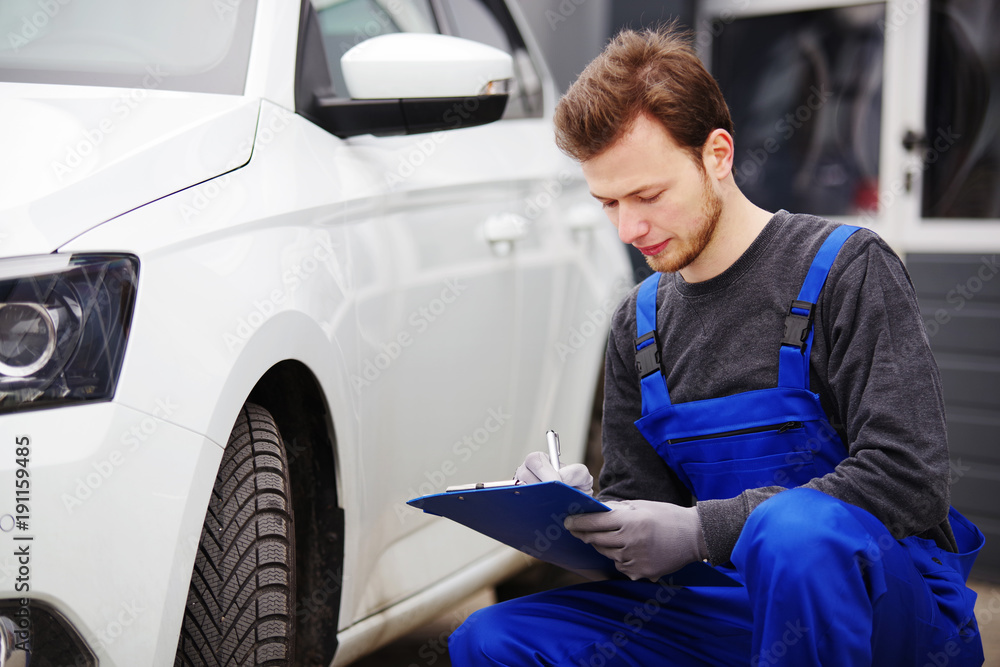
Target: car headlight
x: 64, y: 322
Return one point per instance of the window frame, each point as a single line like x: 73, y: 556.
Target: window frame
x: 810, y: 137
x: 899, y: 218
x: 345, y: 117
x: 516, y: 36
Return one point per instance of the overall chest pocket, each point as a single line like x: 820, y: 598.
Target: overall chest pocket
x: 723, y: 465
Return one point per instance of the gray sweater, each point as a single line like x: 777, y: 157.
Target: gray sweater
x: 871, y: 365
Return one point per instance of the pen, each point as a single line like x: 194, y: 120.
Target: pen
x: 553, y: 439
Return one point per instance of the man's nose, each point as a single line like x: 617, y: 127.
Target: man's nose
x: 631, y: 224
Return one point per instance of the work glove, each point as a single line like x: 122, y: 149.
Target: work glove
x: 646, y: 539
x: 537, y: 467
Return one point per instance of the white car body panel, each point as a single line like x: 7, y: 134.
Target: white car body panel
x: 81, y: 144
x: 262, y: 238
x: 276, y: 28
x: 119, y: 578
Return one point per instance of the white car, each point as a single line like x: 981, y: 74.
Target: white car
x: 251, y: 301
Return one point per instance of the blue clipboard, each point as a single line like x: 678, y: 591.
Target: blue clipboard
x: 529, y: 517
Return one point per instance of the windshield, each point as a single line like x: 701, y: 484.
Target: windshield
x: 189, y: 45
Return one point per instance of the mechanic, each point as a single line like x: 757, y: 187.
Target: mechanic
x: 776, y: 370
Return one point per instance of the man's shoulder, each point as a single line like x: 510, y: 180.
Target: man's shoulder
x: 865, y: 259
x: 804, y: 234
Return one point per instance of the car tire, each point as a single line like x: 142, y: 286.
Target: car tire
x: 241, y: 603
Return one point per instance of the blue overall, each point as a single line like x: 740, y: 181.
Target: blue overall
x: 825, y: 581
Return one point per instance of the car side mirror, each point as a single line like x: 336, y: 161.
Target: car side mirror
x: 408, y: 83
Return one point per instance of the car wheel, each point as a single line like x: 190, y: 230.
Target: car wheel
x: 241, y: 603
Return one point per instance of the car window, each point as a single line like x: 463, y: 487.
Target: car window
x: 188, y: 45
x: 472, y: 20
x: 489, y: 22
x: 805, y: 92
x: 961, y: 143
x: 346, y: 23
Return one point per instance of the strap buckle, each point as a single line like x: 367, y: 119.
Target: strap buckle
x: 797, y: 326
x: 647, y: 357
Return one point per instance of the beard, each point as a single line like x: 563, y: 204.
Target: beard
x: 681, y: 252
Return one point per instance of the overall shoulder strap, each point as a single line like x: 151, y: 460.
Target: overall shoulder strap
x: 793, y: 357
x: 647, y: 348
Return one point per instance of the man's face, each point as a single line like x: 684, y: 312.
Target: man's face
x: 661, y: 201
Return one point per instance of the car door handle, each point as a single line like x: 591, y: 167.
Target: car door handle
x: 502, y: 230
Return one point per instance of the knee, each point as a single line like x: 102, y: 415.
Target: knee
x: 469, y: 643
x: 804, y: 531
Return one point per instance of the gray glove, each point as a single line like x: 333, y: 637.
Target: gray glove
x: 538, y: 468
x: 646, y: 539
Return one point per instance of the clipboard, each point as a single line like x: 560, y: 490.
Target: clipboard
x: 529, y: 517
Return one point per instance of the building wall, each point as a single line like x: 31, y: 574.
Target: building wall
x: 960, y: 302
x: 572, y: 32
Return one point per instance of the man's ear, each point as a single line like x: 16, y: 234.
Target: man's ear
x: 718, y: 154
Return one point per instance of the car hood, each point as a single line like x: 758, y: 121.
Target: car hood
x: 74, y: 157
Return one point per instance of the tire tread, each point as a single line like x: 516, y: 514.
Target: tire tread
x: 241, y: 600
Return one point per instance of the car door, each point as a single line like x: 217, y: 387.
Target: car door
x: 435, y: 325
x: 562, y: 257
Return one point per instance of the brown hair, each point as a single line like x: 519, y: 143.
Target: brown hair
x: 654, y: 71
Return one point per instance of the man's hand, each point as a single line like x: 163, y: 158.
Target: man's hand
x: 646, y: 539
x: 538, y: 468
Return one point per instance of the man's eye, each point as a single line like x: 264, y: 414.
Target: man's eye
x: 609, y: 204
x: 650, y: 200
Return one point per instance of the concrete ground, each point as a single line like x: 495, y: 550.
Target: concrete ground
x: 426, y: 647
x: 988, y: 615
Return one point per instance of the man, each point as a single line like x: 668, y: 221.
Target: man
x: 777, y: 370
